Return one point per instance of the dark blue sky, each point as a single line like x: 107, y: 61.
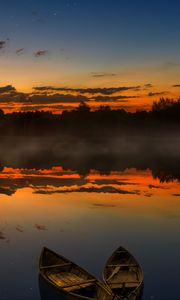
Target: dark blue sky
x: 79, y: 37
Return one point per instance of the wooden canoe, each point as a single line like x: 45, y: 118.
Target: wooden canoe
x: 123, y: 275
x: 70, y: 279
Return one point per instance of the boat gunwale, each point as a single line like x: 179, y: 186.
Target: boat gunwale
x: 139, y: 266
x: 97, y: 282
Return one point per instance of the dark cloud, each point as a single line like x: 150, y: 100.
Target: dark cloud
x: 176, y: 85
x: 40, y: 227
x: 99, y: 75
x: 148, y: 195
x: 8, y: 191
x: 157, y: 93
x: 148, y: 85
x: 2, y: 44
x: 104, y: 91
x: 19, y: 51
x: 112, y: 182
x: 104, y: 205
x: 40, y: 53
x: 176, y: 195
x: 121, y: 98
x: 2, y: 236
x: 151, y: 186
x: 7, y: 89
x: 33, y: 107
x: 104, y: 189
x: 9, y: 94
x: 19, y: 228
x: 57, y: 98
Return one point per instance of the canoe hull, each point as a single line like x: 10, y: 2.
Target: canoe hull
x: 123, y: 275
x: 70, y: 280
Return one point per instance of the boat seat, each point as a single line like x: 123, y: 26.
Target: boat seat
x: 80, y: 282
x: 123, y: 265
x: 79, y: 285
x: 129, y: 284
x: 55, y: 266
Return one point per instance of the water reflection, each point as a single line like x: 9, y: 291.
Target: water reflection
x: 84, y: 205
x: 48, y: 292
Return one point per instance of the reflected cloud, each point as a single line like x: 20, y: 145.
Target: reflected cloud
x: 93, y: 189
x: 148, y: 85
x: 96, y: 205
x: 176, y: 85
x: 148, y: 194
x: 9, y: 191
x: 111, y: 181
x: 152, y: 186
x: 2, y: 236
x: 19, y: 228
x: 40, y: 227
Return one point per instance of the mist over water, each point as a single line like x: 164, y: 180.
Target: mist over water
x: 84, y: 198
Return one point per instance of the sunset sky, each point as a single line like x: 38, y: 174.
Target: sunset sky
x: 55, y: 54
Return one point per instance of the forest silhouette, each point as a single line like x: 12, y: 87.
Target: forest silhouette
x: 163, y: 118
x: 105, y: 140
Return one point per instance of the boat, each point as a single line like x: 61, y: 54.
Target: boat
x: 123, y: 275
x: 71, y: 280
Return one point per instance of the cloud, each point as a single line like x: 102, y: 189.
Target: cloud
x: 151, y: 186
x: 176, y: 195
x: 7, y: 89
x: 112, y: 182
x: 8, y: 191
x: 2, y: 236
x: 8, y: 94
x: 99, y: 75
x: 104, y: 205
x: 2, y: 44
x: 148, y: 85
x: 176, y: 85
x: 157, y: 93
x: 19, y: 51
x: 40, y: 53
x: 32, y: 107
x: 148, y: 195
x: 40, y: 227
x: 104, y: 91
x: 104, y: 189
x: 121, y: 98
x: 19, y: 228
x: 57, y: 98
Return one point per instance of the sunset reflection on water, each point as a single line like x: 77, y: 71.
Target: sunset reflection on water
x: 85, y: 218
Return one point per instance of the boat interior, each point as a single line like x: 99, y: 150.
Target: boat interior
x: 71, y: 279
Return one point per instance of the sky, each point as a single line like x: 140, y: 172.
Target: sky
x: 54, y: 54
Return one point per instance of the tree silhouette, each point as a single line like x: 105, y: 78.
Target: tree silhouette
x: 102, y: 122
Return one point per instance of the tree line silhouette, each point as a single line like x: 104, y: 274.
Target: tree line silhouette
x: 103, y: 122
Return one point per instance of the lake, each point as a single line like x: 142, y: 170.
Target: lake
x: 84, y: 207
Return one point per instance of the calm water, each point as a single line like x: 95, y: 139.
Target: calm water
x: 85, y: 214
